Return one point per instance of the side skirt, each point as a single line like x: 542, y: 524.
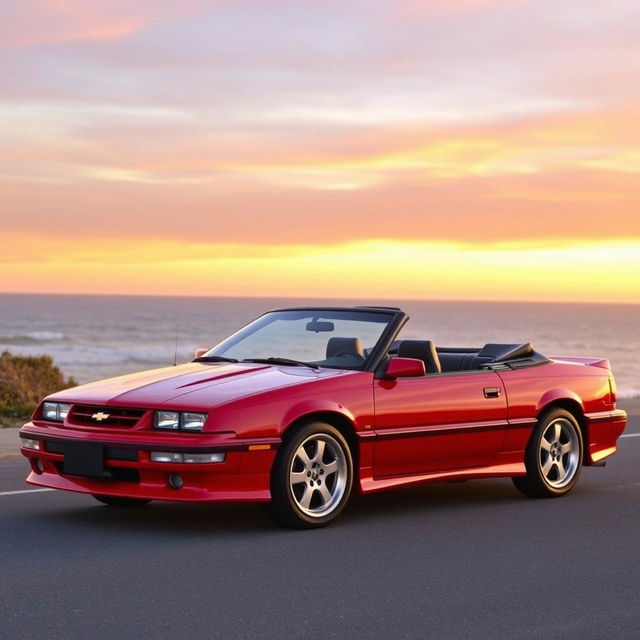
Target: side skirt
x: 506, y: 470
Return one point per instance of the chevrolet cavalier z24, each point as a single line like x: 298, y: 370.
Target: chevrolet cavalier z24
x: 305, y: 405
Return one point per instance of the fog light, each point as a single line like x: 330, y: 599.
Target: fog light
x: 175, y: 481
x: 203, y: 458
x: 37, y: 466
x: 189, y: 458
x: 28, y: 443
x: 165, y: 456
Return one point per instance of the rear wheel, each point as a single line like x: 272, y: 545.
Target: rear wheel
x: 553, y: 458
x: 117, y: 501
x: 311, y: 477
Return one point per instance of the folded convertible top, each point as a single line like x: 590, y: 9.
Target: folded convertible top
x: 504, y: 352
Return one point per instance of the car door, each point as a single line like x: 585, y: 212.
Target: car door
x: 438, y: 422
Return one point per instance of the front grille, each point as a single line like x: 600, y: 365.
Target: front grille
x: 89, y: 415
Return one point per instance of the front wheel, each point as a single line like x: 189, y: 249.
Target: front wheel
x: 553, y: 458
x: 118, y: 501
x: 311, y: 477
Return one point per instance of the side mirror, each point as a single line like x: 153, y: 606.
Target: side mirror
x: 405, y: 368
x: 200, y: 352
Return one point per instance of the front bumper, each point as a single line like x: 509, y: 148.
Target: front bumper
x: 127, y: 470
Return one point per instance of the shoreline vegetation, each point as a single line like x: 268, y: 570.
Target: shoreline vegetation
x: 24, y: 381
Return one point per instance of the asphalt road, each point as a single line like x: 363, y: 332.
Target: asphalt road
x: 473, y: 560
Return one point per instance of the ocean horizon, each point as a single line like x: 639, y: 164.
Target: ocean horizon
x: 95, y: 336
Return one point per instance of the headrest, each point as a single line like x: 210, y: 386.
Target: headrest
x: 341, y: 346
x: 424, y: 350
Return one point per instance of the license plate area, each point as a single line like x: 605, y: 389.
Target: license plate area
x: 84, y: 459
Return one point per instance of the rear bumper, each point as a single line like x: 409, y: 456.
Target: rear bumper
x: 128, y: 471
x: 603, y: 431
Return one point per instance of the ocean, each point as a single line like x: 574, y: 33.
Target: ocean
x: 93, y: 337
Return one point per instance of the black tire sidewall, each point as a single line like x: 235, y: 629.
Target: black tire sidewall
x: 283, y: 504
x: 532, y: 458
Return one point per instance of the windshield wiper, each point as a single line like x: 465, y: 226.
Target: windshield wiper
x: 215, y: 359
x: 271, y: 360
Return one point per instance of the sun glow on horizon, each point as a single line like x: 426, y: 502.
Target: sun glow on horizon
x: 481, y: 149
x: 599, y: 272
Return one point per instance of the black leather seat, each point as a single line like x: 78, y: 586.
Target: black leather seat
x: 337, y: 347
x: 423, y: 350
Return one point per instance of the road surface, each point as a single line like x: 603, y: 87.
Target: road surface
x: 473, y: 560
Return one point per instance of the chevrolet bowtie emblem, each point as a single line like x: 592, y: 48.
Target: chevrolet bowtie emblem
x: 100, y: 416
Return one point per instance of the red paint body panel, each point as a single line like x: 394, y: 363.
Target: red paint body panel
x: 403, y: 431
x: 446, y: 418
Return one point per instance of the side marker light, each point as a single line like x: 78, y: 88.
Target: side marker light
x: 259, y: 447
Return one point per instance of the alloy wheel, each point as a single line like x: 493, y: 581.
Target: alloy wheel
x: 559, y: 453
x: 318, y: 475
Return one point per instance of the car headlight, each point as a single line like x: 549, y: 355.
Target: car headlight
x: 167, y: 420
x: 55, y: 411
x: 192, y: 421
x: 178, y: 420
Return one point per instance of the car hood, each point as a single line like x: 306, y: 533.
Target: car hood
x: 195, y: 385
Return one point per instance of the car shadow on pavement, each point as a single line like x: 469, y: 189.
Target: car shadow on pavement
x: 164, y: 518
x: 435, y: 498
x: 171, y: 518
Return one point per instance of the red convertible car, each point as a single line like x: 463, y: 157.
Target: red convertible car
x: 303, y: 406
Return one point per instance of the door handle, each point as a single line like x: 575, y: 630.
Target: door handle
x: 492, y: 392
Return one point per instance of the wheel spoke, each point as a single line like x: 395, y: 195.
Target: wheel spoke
x: 545, y: 444
x: 302, y: 454
x: 305, y: 501
x: 298, y: 476
x: 546, y: 467
x: 561, y: 470
x: 565, y: 448
x: 320, y: 444
x: 330, y: 468
x: 557, y: 431
x: 325, y: 493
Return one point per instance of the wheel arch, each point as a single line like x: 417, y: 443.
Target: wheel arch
x: 571, y: 403
x: 343, y: 423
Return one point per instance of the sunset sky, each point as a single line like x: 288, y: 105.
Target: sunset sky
x: 391, y: 149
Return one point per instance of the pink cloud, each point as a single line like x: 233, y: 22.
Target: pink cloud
x: 440, y: 7
x: 37, y: 22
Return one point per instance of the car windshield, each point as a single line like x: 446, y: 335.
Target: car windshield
x: 338, y: 339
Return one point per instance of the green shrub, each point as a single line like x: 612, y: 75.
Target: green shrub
x: 24, y: 381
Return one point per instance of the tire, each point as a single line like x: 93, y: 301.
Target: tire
x: 311, y: 478
x: 553, y: 457
x: 117, y: 501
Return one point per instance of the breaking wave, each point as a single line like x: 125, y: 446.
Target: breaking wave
x: 34, y: 337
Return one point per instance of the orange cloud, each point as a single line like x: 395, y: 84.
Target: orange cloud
x: 263, y: 146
